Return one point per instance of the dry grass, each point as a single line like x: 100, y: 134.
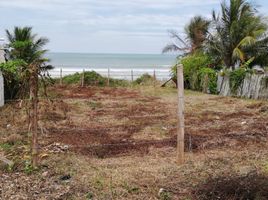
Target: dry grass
x: 228, y: 136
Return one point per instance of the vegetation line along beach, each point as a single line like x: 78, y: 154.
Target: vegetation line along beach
x: 110, y: 124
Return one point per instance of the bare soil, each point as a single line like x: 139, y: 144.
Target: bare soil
x: 133, y: 112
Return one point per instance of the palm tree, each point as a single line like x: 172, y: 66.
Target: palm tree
x: 240, y: 34
x: 27, y: 47
x: 196, y: 32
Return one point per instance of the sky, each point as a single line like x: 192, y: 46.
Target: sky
x: 106, y: 26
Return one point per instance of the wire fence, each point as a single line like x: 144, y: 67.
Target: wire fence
x: 125, y: 74
x: 123, y: 143
x: 130, y: 144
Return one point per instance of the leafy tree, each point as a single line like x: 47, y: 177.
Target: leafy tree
x: 196, y: 32
x: 240, y: 34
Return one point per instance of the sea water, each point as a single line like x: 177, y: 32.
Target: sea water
x: 119, y: 65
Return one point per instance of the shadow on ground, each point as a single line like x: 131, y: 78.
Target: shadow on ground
x: 250, y: 187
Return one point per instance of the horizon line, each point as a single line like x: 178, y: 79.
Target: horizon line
x: 68, y: 52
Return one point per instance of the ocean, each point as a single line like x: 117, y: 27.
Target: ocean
x: 121, y: 66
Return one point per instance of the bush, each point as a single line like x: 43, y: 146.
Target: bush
x: 144, y: 79
x: 192, y: 64
x: 236, y: 79
x: 92, y: 78
x: 13, y: 78
x: 208, y: 80
x: 72, y: 78
x: 197, y: 74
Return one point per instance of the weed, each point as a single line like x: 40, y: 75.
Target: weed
x: 164, y: 195
x: 130, y: 189
x: 94, y: 104
x: 6, y: 146
x: 89, y: 196
x: 28, y: 168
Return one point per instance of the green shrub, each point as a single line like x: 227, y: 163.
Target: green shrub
x: 197, y: 74
x: 13, y: 78
x: 144, y: 79
x: 118, y: 82
x: 72, y: 78
x: 236, y: 79
x: 192, y: 64
x: 208, y: 80
x: 92, y: 78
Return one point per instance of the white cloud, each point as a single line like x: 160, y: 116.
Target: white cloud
x: 52, y: 4
x: 103, y: 20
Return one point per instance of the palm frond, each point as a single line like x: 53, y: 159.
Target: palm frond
x: 173, y: 48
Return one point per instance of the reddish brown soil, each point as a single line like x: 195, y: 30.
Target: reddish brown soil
x: 108, y: 139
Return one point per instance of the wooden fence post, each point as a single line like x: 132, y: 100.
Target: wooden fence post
x: 83, y: 78
x: 108, y: 80
x: 2, y: 98
x: 132, y: 78
x: 154, y: 78
x: 180, y: 125
x: 61, y: 76
x: 33, y: 114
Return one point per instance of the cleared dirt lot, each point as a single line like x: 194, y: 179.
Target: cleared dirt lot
x: 120, y: 144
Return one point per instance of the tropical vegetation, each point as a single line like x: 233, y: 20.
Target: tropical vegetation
x: 26, y: 58
x: 195, y: 35
x: 234, y: 38
x: 92, y: 78
x: 239, y: 34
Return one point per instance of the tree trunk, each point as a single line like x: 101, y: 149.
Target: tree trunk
x: 33, y: 114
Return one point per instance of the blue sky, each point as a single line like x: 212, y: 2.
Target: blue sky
x: 105, y: 26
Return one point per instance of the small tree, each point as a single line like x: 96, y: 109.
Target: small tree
x: 27, y: 57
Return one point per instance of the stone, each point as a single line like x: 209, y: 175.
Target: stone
x: 45, y: 174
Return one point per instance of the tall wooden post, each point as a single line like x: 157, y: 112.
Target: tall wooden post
x: 83, y: 78
x: 61, y: 76
x: 154, y: 78
x: 108, y: 80
x: 180, y: 125
x: 2, y: 98
x: 132, y: 77
x: 33, y: 113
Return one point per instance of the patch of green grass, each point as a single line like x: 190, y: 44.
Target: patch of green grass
x: 99, y: 184
x: 165, y: 195
x: 89, y: 196
x: 92, y: 78
x: 6, y: 146
x: 94, y: 104
x: 265, y: 167
x: 130, y: 189
x: 28, y: 168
